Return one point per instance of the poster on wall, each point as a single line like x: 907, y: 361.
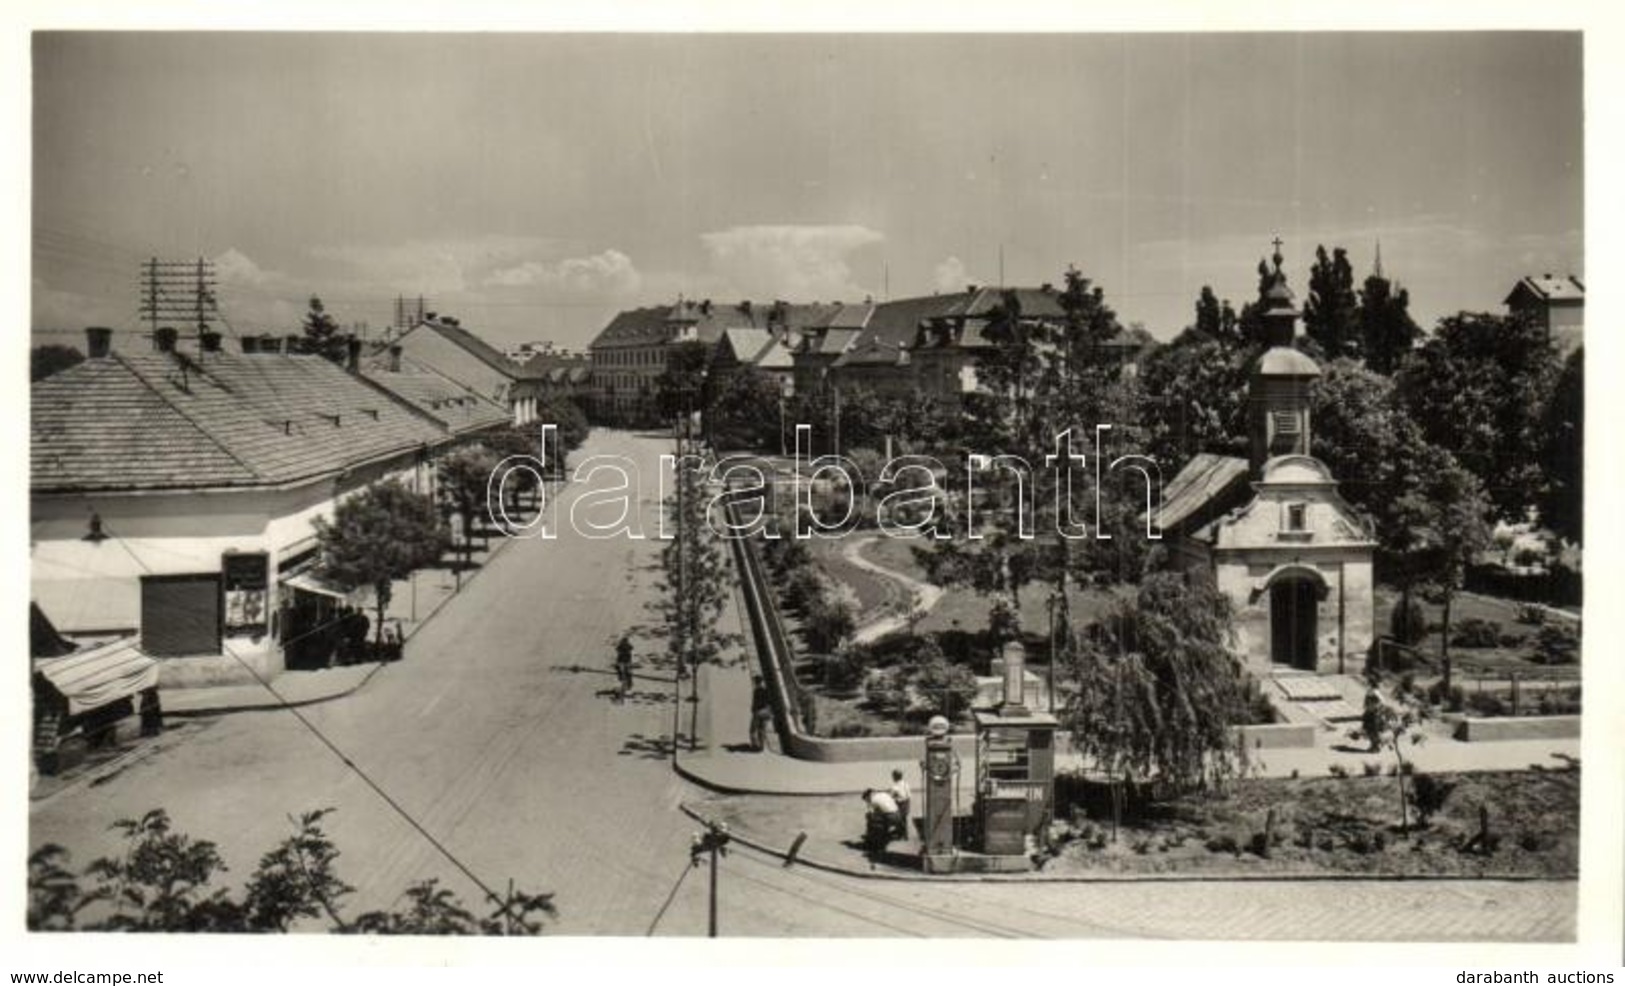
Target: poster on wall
x: 246, y: 586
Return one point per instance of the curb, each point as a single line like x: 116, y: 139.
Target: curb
x: 720, y: 788
x: 1119, y: 878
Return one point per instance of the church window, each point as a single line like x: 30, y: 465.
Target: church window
x: 1297, y: 517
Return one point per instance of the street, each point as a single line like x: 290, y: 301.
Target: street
x: 497, y: 734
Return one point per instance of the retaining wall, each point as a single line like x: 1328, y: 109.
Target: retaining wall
x: 1473, y: 730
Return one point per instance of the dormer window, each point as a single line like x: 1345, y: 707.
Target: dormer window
x: 1297, y: 518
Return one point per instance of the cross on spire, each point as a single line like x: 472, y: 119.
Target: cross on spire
x: 1277, y: 257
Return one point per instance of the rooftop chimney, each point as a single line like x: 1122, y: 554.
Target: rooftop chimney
x: 163, y: 340
x: 970, y: 289
x: 209, y: 341
x: 98, y: 341
x: 352, y: 354
x: 395, y: 359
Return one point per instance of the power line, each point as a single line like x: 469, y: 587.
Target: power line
x: 669, y: 898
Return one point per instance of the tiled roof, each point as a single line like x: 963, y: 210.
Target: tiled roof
x: 475, y: 346
x: 166, y: 421
x: 635, y: 327
x: 776, y: 356
x: 431, y: 392
x: 1549, y: 288
x: 1204, y: 478
x: 746, y: 345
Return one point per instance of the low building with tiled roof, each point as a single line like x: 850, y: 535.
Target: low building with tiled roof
x: 173, y: 493
x: 440, y: 342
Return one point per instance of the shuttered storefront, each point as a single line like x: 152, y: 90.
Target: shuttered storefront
x: 180, y: 614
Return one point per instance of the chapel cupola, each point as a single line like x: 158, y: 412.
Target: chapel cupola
x: 1278, y: 396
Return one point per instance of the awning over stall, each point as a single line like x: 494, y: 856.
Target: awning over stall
x: 313, y: 582
x: 101, y: 675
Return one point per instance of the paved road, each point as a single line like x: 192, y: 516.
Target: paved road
x: 524, y: 769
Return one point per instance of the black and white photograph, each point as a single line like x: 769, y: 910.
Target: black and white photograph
x: 1095, y: 486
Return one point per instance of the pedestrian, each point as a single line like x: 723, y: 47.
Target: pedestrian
x: 623, y: 669
x: 1372, y: 720
x: 901, y: 794
x: 880, y: 822
x: 761, y: 711
x: 152, y: 713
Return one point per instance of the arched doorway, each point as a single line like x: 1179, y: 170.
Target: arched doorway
x: 1294, y: 613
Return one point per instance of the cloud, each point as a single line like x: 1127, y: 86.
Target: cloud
x: 806, y: 263
x: 950, y: 276
x: 608, y: 272
x: 236, y: 269
x: 443, y: 266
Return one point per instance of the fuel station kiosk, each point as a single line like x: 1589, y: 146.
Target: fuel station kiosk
x: 1014, y: 793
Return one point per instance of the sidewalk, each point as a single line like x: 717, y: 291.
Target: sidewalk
x: 412, y: 605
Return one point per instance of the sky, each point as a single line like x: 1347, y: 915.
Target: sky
x: 535, y: 184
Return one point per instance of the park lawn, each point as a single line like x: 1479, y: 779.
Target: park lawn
x: 1349, y: 825
x: 1467, y: 606
x: 964, y: 609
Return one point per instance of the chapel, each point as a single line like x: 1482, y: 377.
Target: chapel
x: 1292, y: 555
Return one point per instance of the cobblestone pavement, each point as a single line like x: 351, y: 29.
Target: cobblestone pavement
x: 497, y: 733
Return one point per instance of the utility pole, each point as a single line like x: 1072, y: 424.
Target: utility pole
x: 178, y: 291
x: 714, y: 842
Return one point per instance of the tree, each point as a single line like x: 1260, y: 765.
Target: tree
x: 1442, y: 523
x: 464, y: 481
x: 695, y: 583
x: 1563, y: 452
x: 1217, y: 320
x: 1387, y: 331
x: 1391, y: 728
x: 46, y: 360
x: 1195, y: 399
x: 745, y: 414
x: 1479, y: 387
x: 681, y: 387
x: 322, y: 333
x: 383, y: 533
x: 1157, y: 688
x: 162, y: 882
x: 1331, y: 311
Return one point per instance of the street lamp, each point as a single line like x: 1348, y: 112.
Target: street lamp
x: 714, y: 841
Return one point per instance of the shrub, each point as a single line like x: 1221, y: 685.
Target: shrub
x: 1511, y: 641
x: 1428, y: 795
x: 848, y: 730
x: 802, y: 589
x: 1486, y: 704
x: 1531, y: 841
x: 1371, y: 768
x: 1338, y: 770
x: 1408, y: 624
x: 828, y: 623
x: 843, y: 672
x: 1476, y: 632
x: 1451, y: 699
x: 1557, y: 643
x: 1141, y: 846
x: 1224, y: 842
x: 1531, y: 614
